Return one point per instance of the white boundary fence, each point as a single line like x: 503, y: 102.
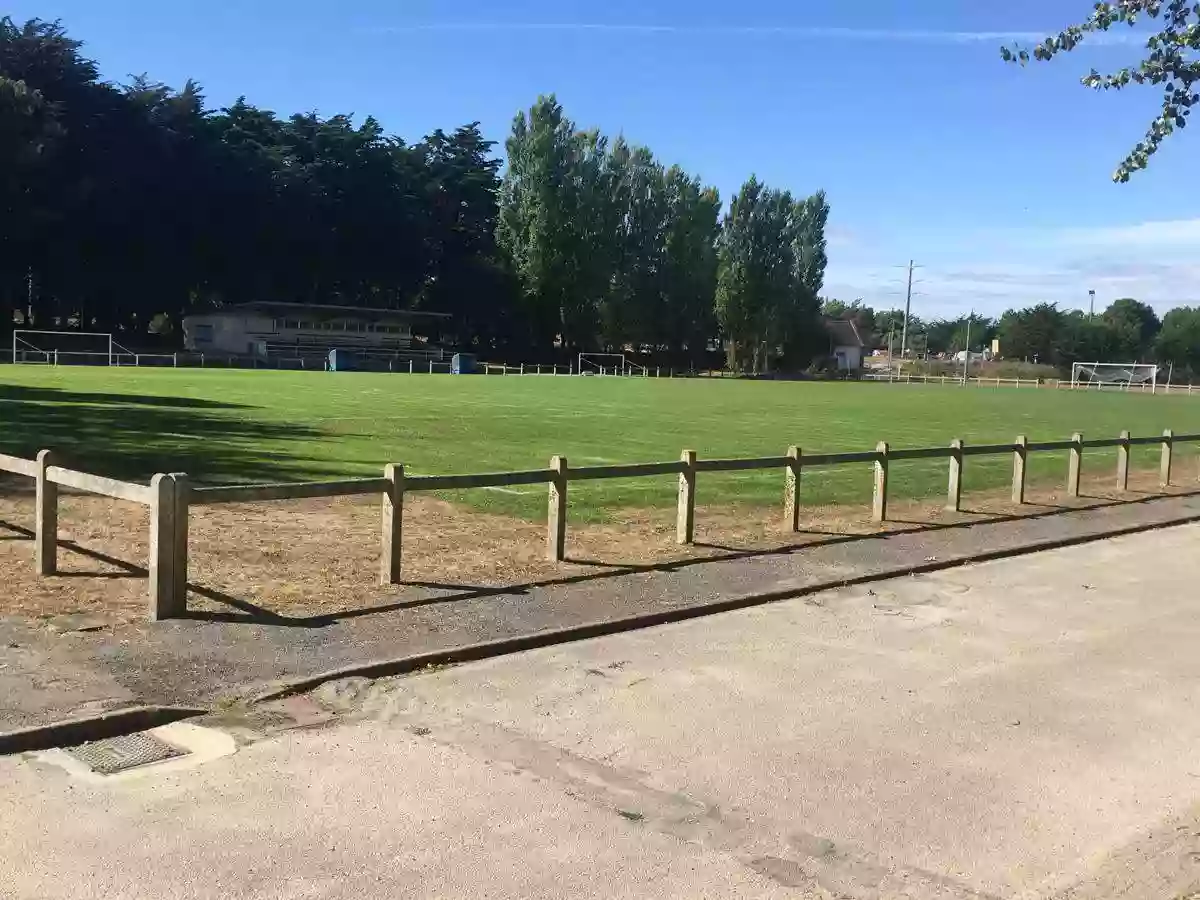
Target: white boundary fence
x: 171, y: 496
x: 427, y: 365
x: 1041, y: 383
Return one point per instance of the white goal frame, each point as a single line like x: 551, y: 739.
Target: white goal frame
x: 23, y: 347
x: 595, y: 363
x: 1118, y: 376
x: 27, y: 352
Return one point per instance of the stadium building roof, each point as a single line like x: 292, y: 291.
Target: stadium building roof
x: 271, y: 307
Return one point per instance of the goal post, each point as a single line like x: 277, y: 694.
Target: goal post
x: 609, y: 364
x: 1115, y: 376
x: 52, y: 348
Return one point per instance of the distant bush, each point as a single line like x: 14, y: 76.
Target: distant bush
x: 998, y: 369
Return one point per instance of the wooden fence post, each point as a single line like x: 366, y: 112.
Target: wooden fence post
x: 1123, y: 463
x: 179, y: 544
x: 393, y: 524
x: 791, y: 489
x: 685, y: 515
x: 1020, y: 457
x: 879, y: 498
x: 1075, y: 465
x: 954, y: 487
x: 162, y: 545
x: 46, y: 517
x: 1164, y: 468
x: 556, y: 522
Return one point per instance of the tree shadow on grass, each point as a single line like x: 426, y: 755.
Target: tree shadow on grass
x: 133, y: 437
x: 23, y: 394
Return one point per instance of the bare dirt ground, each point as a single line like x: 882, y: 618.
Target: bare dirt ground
x: 318, y: 556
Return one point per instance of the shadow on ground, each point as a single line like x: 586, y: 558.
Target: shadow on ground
x: 133, y: 437
x: 247, y: 612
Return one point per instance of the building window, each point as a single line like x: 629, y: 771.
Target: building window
x: 204, y: 334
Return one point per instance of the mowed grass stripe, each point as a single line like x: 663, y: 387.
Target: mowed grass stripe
x: 225, y: 426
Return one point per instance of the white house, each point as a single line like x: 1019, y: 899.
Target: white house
x: 845, y: 343
x: 269, y: 329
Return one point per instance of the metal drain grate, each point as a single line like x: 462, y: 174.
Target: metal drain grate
x: 112, y: 755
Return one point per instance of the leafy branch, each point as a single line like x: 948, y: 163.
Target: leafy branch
x: 1170, y: 62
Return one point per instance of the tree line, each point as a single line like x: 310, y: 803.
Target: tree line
x: 126, y: 203
x: 125, y: 207
x: 129, y: 206
x: 1127, y: 331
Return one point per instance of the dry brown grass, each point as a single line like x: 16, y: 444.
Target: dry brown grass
x: 321, y: 556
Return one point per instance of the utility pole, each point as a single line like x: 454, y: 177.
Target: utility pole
x: 907, y: 310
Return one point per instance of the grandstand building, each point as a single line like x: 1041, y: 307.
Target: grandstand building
x: 269, y: 330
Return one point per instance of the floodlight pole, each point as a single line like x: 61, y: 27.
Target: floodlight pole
x: 967, y: 351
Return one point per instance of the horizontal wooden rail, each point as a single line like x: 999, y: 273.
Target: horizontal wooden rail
x: 838, y: 459
x: 18, y: 466
x: 741, y: 465
x: 1055, y: 445
x: 985, y: 449
x: 254, y: 493
x: 918, y: 453
x: 492, y: 479
x: 635, y: 470
x: 98, y: 484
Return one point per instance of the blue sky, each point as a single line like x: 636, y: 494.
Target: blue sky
x: 994, y: 178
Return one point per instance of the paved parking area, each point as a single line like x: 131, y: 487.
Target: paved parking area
x: 1023, y: 728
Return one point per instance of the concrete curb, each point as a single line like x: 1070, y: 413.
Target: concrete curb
x: 488, y: 649
x: 70, y: 732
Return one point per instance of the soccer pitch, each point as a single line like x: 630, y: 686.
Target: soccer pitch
x: 223, y: 426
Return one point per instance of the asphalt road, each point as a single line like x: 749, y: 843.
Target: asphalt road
x: 1024, y: 728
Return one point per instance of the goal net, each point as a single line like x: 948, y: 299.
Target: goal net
x: 608, y: 364
x: 63, y: 348
x: 1115, y: 376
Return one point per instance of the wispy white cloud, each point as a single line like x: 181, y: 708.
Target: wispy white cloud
x: 1154, y: 261
x: 1153, y: 235
x: 796, y: 32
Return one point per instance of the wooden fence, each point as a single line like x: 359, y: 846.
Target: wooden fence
x: 171, y: 496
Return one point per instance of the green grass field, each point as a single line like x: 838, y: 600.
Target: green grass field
x: 237, y: 426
